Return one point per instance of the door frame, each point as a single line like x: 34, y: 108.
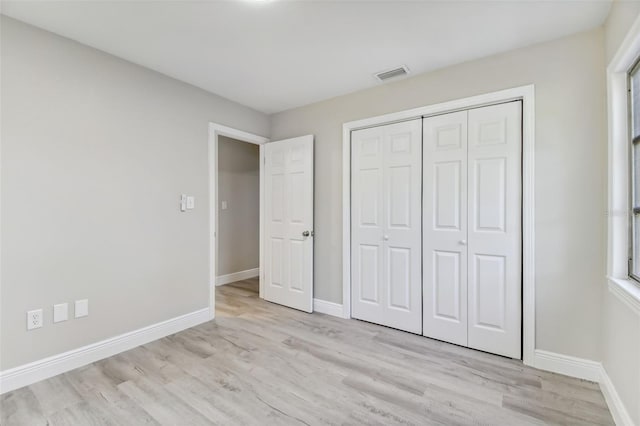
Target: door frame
x: 527, y: 95
x: 216, y: 130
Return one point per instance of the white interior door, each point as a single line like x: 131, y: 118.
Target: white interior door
x: 288, y: 196
x: 494, y: 234
x: 445, y: 227
x: 386, y: 225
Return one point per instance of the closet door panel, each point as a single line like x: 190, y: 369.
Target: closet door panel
x: 445, y: 227
x: 495, y: 259
x: 402, y: 235
x: 367, y: 222
x: 386, y: 223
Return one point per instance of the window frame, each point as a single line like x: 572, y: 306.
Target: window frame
x: 634, y: 143
x: 619, y: 282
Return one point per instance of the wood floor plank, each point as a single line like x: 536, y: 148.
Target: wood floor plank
x: 21, y: 407
x: 161, y: 404
x: 259, y: 363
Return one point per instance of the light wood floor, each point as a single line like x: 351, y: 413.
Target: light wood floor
x: 263, y: 364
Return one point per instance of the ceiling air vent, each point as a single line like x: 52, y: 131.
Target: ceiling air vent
x: 394, y: 73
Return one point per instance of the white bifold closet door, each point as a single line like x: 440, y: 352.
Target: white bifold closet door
x: 472, y: 228
x: 386, y: 225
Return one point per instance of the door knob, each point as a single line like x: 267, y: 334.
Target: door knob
x: 463, y: 242
x: 386, y: 238
x: 306, y: 233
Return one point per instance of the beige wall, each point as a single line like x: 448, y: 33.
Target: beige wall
x: 96, y: 151
x: 621, y: 325
x: 239, y: 224
x: 95, y: 154
x: 570, y: 172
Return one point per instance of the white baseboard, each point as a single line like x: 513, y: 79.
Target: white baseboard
x: 329, y: 308
x: 587, y: 370
x: 568, y: 365
x: 618, y: 410
x: 36, y: 371
x: 237, y: 276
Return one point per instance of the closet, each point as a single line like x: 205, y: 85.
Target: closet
x: 436, y: 227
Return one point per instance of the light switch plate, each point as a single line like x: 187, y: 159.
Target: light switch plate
x: 224, y: 205
x: 183, y: 202
x: 82, y: 308
x: 34, y: 319
x: 60, y: 312
x: 191, y: 202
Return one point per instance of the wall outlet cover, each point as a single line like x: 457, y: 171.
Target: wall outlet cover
x: 82, y: 308
x: 34, y: 319
x: 60, y: 312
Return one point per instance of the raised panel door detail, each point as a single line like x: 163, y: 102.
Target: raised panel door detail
x: 277, y: 194
x: 449, y: 136
x: 492, y: 132
x: 489, y: 283
x: 296, y: 250
x: 447, y: 195
x: 446, y: 278
x: 490, y: 189
x: 277, y: 261
x: 370, y: 147
x: 400, y: 193
x: 297, y: 154
x: 369, y: 197
x: 401, y: 143
x: 369, y: 263
x: 399, y: 271
x: 297, y: 196
x: 277, y: 159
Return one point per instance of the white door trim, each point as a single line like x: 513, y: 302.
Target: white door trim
x: 216, y: 130
x: 527, y: 95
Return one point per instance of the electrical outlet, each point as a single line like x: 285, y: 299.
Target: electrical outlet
x: 34, y: 319
x: 191, y: 202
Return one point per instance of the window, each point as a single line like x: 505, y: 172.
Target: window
x: 634, y: 104
x: 623, y: 215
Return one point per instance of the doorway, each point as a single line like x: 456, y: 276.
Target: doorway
x: 235, y: 178
x: 285, y: 215
x: 238, y: 210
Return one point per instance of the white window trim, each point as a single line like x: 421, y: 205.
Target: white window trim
x: 619, y: 282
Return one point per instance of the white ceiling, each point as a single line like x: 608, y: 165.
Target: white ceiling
x: 275, y: 55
